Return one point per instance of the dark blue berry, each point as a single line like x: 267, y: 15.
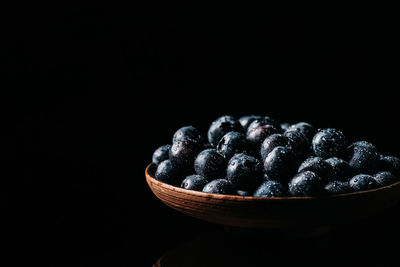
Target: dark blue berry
x: 362, y: 182
x: 281, y: 164
x: 183, y: 153
x: 220, y: 127
x: 385, y: 178
x: 258, y: 134
x: 263, y: 121
x: 337, y: 187
x: 305, y: 128
x: 328, y: 143
x: 244, y: 172
x: 210, y: 164
x: 232, y: 143
x: 188, y: 132
x: 390, y: 164
x: 218, y: 186
x: 243, y: 193
x: 306, y: 183
x: 246, y: 120
x: 364, y: 158
x: 271, y: 189
x: 340, y: 169
x: 317, y: 165
x: 298, y: 143
x: 167, y: 173
x: 194, y: 182
x: 271, y: 142
x: 161, y: 154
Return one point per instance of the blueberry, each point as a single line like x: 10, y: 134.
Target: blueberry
x: 364, y: 158
x: 210, y: 164
x: 306, y: 183
x: 281, y: 164
x: 194, y: 182
x: 391, y: 164
x: 328, y: 143
x: 258, y: 134
x: 298, y: 143
x: 243, y: 193
x: 340, y: 169
x: 271, y: 142
x: 232, y: 143
x: 244, y: 172
x: 161, y: 154
x: 385, y: 178
x: 246, y: 120
x: 271, y: 189
x: 167, y: 173
x: 220, y: 127
x: 362, y: 182
x: 183, y: 153
x: 337, y: 187
x: 317, y: 165
x: 218, y: 186
x: 263, y: 121
x: 285, y: 126
x: 305, y: 128
x: 188, y: 132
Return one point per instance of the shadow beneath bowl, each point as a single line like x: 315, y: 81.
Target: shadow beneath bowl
x: 244, y: 247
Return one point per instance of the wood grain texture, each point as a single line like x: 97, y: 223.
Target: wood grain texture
x: 280, y: 212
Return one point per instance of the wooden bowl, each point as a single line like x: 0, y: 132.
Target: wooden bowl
x: 279, y: 212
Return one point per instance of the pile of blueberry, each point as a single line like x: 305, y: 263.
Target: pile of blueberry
x: 257, y: 156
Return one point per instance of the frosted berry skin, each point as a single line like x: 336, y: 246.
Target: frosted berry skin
x: 364, y: 158
x: 210, y: 164
x: 246, y: 120
x: 167, y: 173
x: 317, y: 165
x: 220, y: 127
x: 337, y: 187
x: 362, y: 182
x: 243, y: 193
x: 263, y: 121
x: 281, y: 164
x: 298, y: 143
x: 194, y: 182
x: 161, y: 154
x: 258, y: 134
x: 232, y: 143
x: 218, y: 186
x: 385, y: 178
x: 305, y: 128
x: 271, y: 142
x: 390, y: 164
x: 244, y: 172
x: 188, y: 132
x: 306, y: 183
x: 328, y: 143
x: 285, y: 126
x: 183, y: 153
x: 339, y: 169
x: 271, y: 189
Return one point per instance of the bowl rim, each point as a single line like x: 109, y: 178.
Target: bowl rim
x: 151, y: 180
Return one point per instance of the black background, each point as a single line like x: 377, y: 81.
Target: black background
x: 88, y: 94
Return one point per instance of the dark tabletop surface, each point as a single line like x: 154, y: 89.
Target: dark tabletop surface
x: 88, y: 94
